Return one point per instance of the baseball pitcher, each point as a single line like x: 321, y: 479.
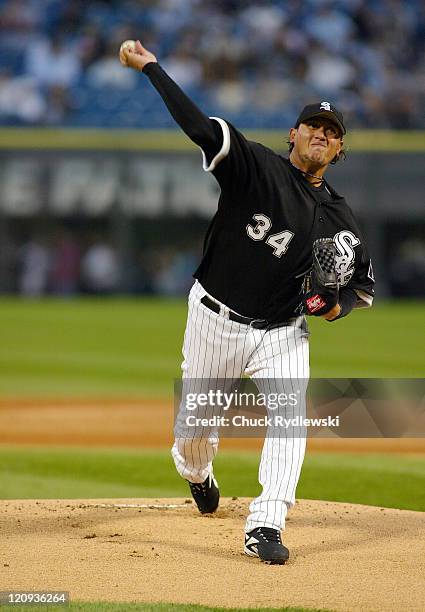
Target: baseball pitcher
x: 283, y: 244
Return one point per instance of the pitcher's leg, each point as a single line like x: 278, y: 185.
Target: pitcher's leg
x: 279, y: 472
x: 193, y: 457
x: 214, y: 351
x: 281, y: 366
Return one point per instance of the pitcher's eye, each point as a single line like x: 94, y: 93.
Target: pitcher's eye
x: 331, y: 131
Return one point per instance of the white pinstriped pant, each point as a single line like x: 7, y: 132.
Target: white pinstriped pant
x: 216, y: 347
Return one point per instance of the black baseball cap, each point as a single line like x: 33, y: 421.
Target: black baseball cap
x: 322, y: 109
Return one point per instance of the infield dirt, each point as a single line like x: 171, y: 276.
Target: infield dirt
x: 140, y: 423
x: 343, y: 557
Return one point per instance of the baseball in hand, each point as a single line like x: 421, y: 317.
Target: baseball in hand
x: 127, y: 44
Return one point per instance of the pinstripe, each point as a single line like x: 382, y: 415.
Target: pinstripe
x: 265, y: 473
x: 299, y: 443
x: 187, y: 447
x: 277, y: 516
x: 187, y: 443
x: 282, y: 456
x: 213, y: 353
x: 280, y: 468
x: 193, y: 445
x: 292, y: 439
x: 244, y: 360
x: 270, y: 472
x: 218, y: 349
x: 292, y: 442
x: 202, y: 441
x: 237, y: 356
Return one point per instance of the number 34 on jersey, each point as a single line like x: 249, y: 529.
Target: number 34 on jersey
x: 278, y: 242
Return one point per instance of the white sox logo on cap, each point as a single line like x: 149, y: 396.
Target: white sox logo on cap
x: 321, y: 109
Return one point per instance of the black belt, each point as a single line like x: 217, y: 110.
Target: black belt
x: 234, y: 316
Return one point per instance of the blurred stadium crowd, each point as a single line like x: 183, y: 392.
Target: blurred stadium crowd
x: 256, y: 62
x: 68, y: 264
x: 64, y: 263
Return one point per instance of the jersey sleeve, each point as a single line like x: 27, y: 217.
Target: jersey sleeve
x: 201, y: 130
x: 363, y: 281
x: 239, y: 161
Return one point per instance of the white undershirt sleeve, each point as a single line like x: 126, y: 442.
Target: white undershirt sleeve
x: 225, y: 148
x: 364, y: 300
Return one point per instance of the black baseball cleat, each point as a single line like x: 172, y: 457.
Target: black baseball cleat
x: 265, y: 543
x: 205, y: 494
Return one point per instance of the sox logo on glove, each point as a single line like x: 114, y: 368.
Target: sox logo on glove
x: 320, y: 287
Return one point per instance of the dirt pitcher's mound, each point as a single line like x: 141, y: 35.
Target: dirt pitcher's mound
x: 343, y: 556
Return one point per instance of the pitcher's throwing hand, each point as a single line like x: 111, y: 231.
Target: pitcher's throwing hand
x: 133, y: 55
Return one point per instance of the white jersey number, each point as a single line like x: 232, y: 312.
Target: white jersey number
x: 260, y: 230
x: 279, y: 242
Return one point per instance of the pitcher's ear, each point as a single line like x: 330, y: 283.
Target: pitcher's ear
x: 292, y: 134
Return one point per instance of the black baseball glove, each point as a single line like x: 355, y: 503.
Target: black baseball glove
x: 320, y: 287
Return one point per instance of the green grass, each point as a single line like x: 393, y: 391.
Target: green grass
x: 385, y: 341
x: 394, y: 481
x: 133, y: 347
x: 117, y: 607
x: 83, y: 347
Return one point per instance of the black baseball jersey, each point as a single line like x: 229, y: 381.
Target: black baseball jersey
x: 259, y: 244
